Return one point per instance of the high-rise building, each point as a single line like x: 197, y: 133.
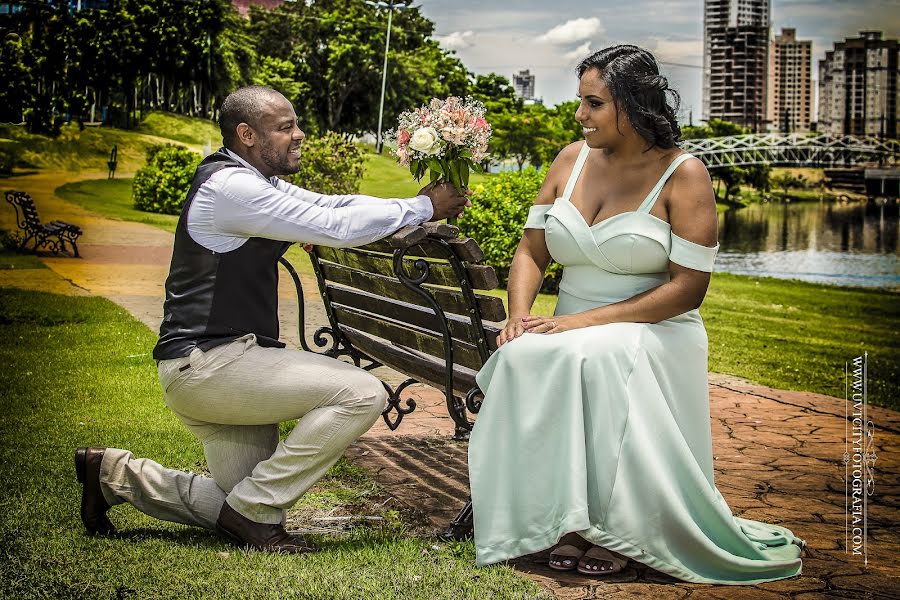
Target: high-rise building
x: 858, y: 93
x: 523, y: 83
x: 789, y: 104
x: 735, y: 60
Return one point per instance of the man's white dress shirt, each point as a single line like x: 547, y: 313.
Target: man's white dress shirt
x: 238, y: 203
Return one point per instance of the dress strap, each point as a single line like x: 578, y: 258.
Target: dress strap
x: 576, y: 171
x: 650, y: 200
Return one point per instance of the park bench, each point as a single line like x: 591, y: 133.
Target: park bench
x: 52, y: 236
x: 409, y: 302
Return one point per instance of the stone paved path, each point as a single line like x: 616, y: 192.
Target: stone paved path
x: 778, y: 454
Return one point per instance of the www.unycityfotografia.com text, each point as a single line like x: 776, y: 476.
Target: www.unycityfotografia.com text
x: 859, y: 457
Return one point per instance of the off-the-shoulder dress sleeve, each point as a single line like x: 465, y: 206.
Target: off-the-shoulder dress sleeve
x: 536, y: 215
x: 691, y: 255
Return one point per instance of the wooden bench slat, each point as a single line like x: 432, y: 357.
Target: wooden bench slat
x: 491, y: 307
x: 426, y: 369
x: 444, y: 231
x: 466, y: 249
x: 403, y: 238
x: 407, y: 335
x: 482, y: 277
x: 460, y: 327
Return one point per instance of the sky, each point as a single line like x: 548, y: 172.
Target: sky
x: 549, y: 37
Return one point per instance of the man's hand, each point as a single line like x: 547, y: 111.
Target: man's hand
x: 445, y: 200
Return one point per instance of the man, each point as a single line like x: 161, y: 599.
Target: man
x: 221, y: 366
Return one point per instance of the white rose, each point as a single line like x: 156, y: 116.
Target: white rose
x: 426, y: 140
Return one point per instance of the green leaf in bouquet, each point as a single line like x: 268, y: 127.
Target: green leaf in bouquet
x: 435, y: 175
x: 435, y: 165
x: 476, y: 167
x: 455, y: 178
x: 413, y: 167
x: 464, y: 173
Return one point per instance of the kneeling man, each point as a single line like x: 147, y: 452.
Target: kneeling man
x: 221, y: 366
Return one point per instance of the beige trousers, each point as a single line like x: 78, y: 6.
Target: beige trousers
x: 232, y: 398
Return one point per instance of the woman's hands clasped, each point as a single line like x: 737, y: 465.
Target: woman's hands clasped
x: 535, y: 324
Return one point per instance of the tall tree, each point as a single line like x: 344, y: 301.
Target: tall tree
x: 15, y: 79
x: 496, y: 93
x: 337, y: 47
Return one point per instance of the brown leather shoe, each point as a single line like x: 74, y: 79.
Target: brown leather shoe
x: 261, y: 536
x: 93, y: 504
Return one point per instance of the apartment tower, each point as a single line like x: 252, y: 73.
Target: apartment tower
x: 789, y: 105
x: 858, y: 92
x: 735, y: 61
x: 523, y: 84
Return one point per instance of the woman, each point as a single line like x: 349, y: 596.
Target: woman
x: 595, y: 423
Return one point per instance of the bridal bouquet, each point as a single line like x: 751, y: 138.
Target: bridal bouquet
x: 448, y: 138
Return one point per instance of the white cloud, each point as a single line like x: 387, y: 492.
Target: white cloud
x: 455, y: 40
x: 578, y: 53
x: 573, y: 31
x: 679, y: 51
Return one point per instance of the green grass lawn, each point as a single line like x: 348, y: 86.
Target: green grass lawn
x: 798, y: 336
x: 76, y: 150
x: 77, y: 371
x: 14, y: 260
x: 112, y: 198
x: 188, y: 130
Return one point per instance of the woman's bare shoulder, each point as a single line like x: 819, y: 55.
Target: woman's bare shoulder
x: 558, y: 174
x: 691, y: 182
x: 691, y: 171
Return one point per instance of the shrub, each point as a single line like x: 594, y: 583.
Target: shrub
x: 9, y: 241
x: 7, y: 160
x: 330, y: 164
x: 499, y: 210
x: 161, y: 185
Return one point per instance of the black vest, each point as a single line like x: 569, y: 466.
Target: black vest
x: 214, y: 298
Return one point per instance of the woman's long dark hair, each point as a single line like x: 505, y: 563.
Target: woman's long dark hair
x: 632, y: 76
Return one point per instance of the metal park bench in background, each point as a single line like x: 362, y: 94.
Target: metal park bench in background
x: 52, y: 236
x: 409, y: 302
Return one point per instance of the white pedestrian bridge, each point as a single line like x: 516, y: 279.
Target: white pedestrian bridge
x: 794, y: 150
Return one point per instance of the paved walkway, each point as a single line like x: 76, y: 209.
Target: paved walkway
x: 778, y: 454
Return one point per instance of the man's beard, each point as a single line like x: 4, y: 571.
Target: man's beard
x: 278, y: 163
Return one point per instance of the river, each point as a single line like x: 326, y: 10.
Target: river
x: 846, y: 244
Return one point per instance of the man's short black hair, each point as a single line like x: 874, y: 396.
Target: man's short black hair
x: 242, y: 106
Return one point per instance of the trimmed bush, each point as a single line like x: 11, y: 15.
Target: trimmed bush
x: 499, y: 210
x: 330, y: 164
x: 7, y: 161
x: 161, y: 185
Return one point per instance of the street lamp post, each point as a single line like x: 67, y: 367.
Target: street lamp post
x: 387, y: 45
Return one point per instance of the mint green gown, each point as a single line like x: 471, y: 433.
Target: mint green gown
x: 605, y: 430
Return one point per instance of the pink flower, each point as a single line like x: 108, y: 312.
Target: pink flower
x: 481, y: 123
x: 403, y: 155
x: 403, y: 138
x: 454, y: 135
